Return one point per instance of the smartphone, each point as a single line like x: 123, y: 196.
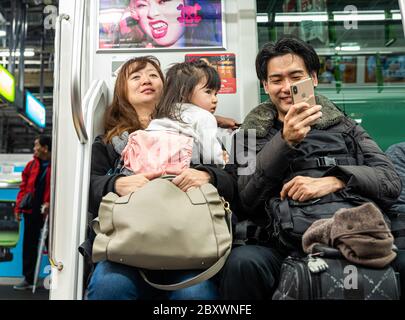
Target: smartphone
x: 301, y: 91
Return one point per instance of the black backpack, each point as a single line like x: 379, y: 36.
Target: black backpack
x: 319, y: 152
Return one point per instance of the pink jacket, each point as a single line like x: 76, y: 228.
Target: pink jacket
x: 151, y: 151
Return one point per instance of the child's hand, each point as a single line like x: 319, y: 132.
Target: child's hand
x: 225, y: 156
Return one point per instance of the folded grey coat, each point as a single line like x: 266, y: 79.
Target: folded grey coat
x: 360, y: 234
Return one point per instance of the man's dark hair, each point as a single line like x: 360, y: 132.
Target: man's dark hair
x: 45, y: 140
x: 287, y: 45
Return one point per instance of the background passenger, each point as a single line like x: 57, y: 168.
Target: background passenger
x: 36, y: 178
x: 396, y: 153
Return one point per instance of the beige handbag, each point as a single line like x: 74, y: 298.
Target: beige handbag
x: 160, y: 227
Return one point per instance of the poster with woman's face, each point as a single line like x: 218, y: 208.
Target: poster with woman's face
x: 160, y: 24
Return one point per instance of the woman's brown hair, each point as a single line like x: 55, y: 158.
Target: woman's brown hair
x: 121, y: 116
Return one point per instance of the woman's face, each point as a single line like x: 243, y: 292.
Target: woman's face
x: 158, y: 19
x: 144, y: 87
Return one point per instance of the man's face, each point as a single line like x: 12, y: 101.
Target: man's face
x: 158, y: 19
x: 40, y: 151
x: 282, y: 72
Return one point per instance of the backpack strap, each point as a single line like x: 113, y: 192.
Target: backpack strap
x: 249, y: 233
x: 322, y: 162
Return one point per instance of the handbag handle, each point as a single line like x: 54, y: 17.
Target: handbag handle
x: 169, y: 177
x: 205, y: 275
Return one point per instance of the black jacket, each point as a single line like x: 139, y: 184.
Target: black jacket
x: 104, y: 158
x: 396, y: 153
x: 376, y: 179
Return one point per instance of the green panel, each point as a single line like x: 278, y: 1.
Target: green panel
x: 7, y: 84
x: 382, y: 113
x: 8, y: 238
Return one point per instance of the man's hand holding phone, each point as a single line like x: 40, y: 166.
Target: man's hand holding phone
x: 298, y: 121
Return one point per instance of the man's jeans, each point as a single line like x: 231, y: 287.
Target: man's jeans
x: 114, y: 281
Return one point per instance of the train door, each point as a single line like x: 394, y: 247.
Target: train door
x: 88, y: 51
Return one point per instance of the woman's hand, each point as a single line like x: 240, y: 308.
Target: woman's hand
x: 306, y: 188
x: 126, y: 185
x: 191, y: 178
x: 227, y: 123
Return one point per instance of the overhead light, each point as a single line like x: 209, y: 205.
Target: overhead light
x: 347, y: 48
x: 370, y: 15
x: 27, y: 53
x: 301, y: 16
x: 262, y: 18
x: 396, y: 15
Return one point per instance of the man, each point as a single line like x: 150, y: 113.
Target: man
x: 286, y: 134
x: 35, y: 182
x: 396, y: 153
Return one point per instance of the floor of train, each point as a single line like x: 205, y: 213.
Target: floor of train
x: 8, y: 293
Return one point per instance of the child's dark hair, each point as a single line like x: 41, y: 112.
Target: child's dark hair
x: 181, y: 80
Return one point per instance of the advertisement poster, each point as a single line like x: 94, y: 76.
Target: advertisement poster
x: 331, y: 65
x: 393, y: 68
x: 225, y: 65
x: 157, y: 24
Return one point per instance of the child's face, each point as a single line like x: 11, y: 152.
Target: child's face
x: 158, y: 19
x: 204, y: 98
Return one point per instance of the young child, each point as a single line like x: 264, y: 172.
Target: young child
x: 184, y: 128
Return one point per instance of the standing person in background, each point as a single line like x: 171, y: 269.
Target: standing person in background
x: 33, y: 202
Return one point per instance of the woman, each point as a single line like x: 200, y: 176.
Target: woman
x: 138, y: 88
x: 173, y: 23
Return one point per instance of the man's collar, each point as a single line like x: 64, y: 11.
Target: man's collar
x: 263, y: 116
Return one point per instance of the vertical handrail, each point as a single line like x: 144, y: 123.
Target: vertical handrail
x: 402, y: 11
x: 55, y: 120
x: 92, y: 101
x: 76, y: 75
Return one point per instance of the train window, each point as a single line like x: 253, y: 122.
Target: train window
x: 361, y: 47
